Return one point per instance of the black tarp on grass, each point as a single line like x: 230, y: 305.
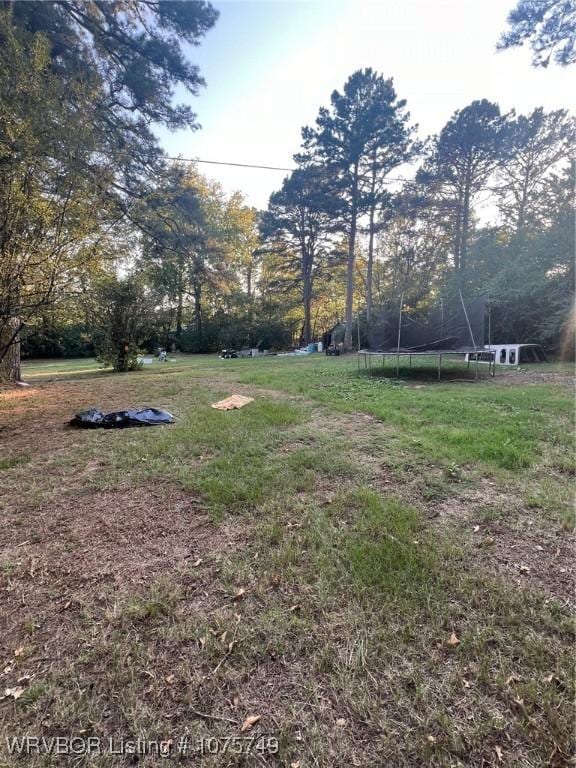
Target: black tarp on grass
x: 131, y: 417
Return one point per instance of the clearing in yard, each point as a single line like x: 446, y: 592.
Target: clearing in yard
x: 366, y: 572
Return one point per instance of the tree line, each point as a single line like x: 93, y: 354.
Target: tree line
x: 425, y: 235
x: 108, y: 247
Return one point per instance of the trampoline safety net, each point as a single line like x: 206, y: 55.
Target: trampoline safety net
x: 455, y: 324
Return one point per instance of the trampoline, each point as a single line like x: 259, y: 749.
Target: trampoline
x: 454, y: 328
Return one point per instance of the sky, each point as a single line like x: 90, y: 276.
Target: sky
x: 270, y: 64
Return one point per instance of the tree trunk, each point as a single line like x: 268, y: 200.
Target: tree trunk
x: 179, y: 306
x: 307, y: 257
x: 307, y: 300
x: 198, y: 310
x: 370, y: 266
x: 249, y: 281
x: 350, y: 266
x: 465, y: 228
x: 179, y: 316
x: 121, y: 364
x: 458, y: 235
x: 10, y: 350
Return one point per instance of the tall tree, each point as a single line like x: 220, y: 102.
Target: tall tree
x: 462, y: 160
x: 549, y: 26
x: 190, y: 241
x: 531, y: 280
x: 298, y: 225
x: 54, y: 219
x: 364, y: 132
x: 413, y: 250
x: 171, y: 220
x: 378, y: 211
x: 243, y: 241
x: 539, y: 144
x: 92, y: 77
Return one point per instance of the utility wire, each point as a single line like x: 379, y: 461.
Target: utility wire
x: 221, y: 162
x: 246, y: 165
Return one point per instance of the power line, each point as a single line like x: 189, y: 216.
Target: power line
x: 238, y: 165
x: 247, y: 165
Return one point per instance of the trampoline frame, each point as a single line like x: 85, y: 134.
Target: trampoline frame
x: 438, y: 353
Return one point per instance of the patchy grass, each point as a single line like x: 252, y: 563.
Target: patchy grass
x: 488, y: 425
x: 380, y: 571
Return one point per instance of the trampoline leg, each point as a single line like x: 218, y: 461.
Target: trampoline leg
x: 398, y: 367
x: 410, y: 361
x: 476, y: 372
x: 439, y: 367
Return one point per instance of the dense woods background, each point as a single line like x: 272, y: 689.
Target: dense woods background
x: 106, y: 245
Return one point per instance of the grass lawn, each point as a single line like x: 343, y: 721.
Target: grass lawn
x: 380, y: 571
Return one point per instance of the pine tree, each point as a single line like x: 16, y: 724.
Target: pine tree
x: 549, y: 26
x: 364, y: 132
x: 298, y: 225
x: 463, y: 158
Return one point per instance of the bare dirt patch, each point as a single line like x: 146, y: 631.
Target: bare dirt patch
x: 101, y: 546
x: 515, y: 545
x: 523, y: 376
x: 126, y: 534
x: 104, y: 604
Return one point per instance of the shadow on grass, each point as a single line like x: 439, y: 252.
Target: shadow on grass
x: 428, y: 373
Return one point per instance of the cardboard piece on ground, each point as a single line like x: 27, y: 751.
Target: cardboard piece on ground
x: 234, y: 401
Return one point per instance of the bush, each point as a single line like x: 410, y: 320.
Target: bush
x: 75, y: 340
x: 123, y: 314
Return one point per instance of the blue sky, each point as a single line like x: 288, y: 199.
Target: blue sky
x: 270, y: 65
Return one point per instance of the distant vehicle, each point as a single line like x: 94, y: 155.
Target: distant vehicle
x: 509, y: 354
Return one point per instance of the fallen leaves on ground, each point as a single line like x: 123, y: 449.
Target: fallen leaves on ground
x: 249, y: 723
x: 14, y: 693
